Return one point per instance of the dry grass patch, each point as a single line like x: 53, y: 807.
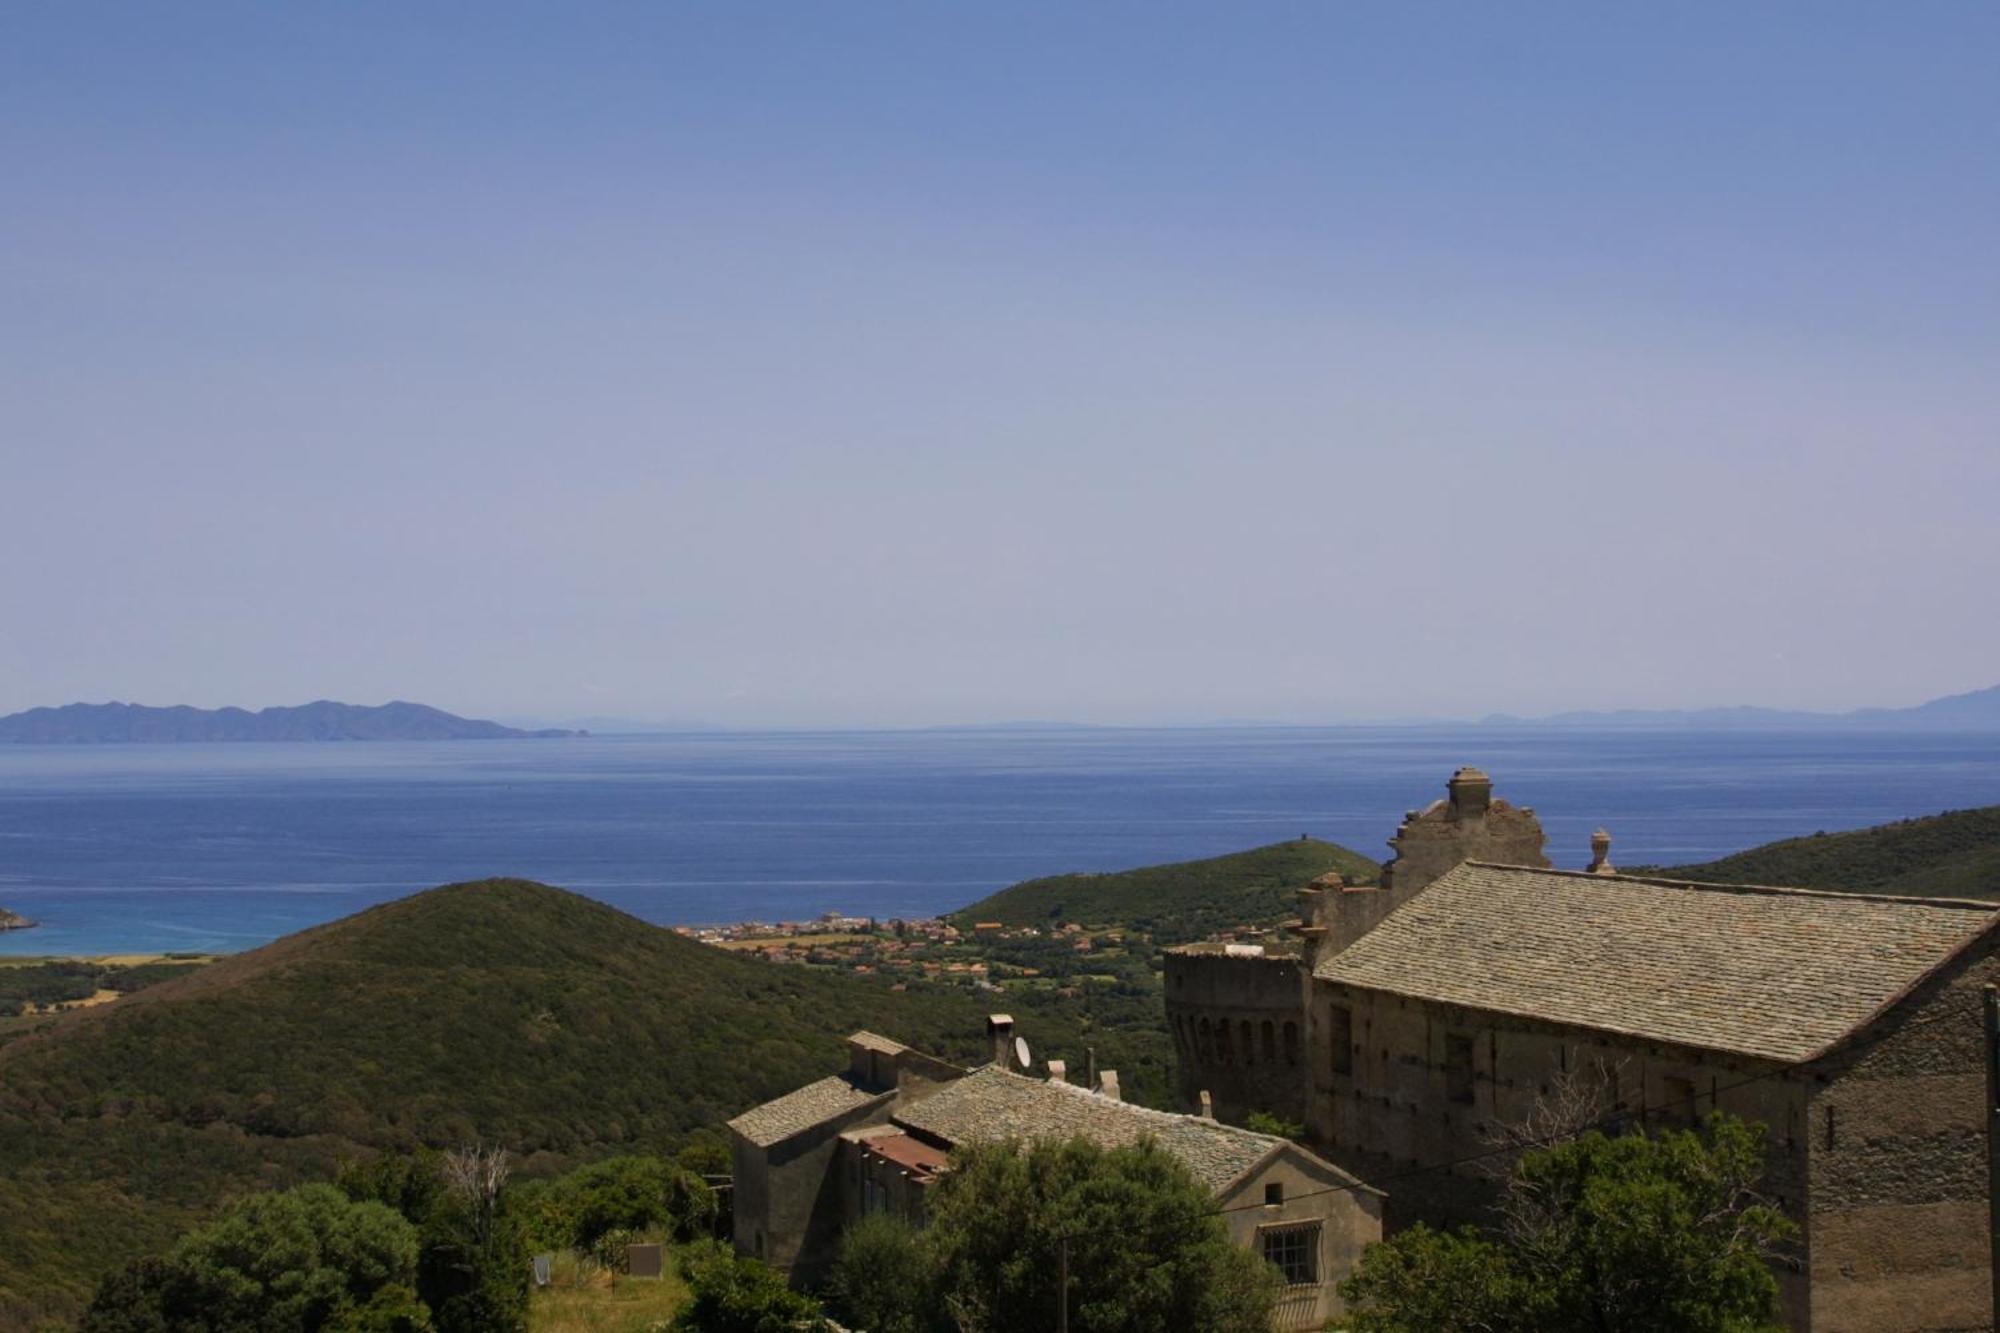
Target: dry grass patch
x: 583, y: 1298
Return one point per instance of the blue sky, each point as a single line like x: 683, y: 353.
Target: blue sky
x: 863, y: 364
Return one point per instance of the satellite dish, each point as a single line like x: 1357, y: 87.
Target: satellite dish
x: 1021, y: 1052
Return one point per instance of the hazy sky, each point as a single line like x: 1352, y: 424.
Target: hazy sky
x: 867, y: 362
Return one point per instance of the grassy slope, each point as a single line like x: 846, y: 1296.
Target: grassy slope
x: 1183, y: 901
x: 1955, y: 855
x: 502, y: 1012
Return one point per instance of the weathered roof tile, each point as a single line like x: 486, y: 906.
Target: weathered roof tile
x: 801, y: 1109
x: 993, y: 1103
x: 1776, y: 973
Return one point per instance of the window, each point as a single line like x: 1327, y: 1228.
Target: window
x: 1340, y: 1038
x: 1677, y: 1101
x: 1295, y: 1252
x: 1207, y: 1043
x: 1249, y: 1048
x: 1222, y: 1042
x: 1274, y: 1194
x: 1270, y: 1042
x: 1291, y: 1043
x: 1458, y: 1069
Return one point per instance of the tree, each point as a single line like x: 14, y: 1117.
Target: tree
x: 306, y: 1258
x: 472, y: 1265
x: 1648, y: 1233
x: 731, y: 1294
x: 882, y: 1280
x: 1145, y: 1249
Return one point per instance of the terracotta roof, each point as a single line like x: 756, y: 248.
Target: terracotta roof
x: 1781, y: 974
x: 815, y: 1103
x: 993, y: 1103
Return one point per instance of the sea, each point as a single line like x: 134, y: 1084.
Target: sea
x: 192, y: 847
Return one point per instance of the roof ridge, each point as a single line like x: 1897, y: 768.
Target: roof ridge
x: 1133, y: 1108
x: 1779, y: 890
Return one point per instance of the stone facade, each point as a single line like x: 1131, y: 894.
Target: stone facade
x: 1237, y: 1032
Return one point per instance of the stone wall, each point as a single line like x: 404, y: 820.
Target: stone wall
x: 1237, y: 1031
x: 1897, y: 1167
x: 788, y: 1198
x: 1425, y: 1084
x: 1349, y: 1220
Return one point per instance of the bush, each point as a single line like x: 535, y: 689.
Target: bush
x: 609, y: 1251
x: 882, y: 1280
x: 731, y: 1294
x: 1652, y: 1234
x: 1146, y: 1250
x: 305, y: 1258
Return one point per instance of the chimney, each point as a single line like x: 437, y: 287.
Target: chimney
x: 1207, y: 1105
x: 1107, y: 1083
x: 1090, y: 1067
x: 1058, y: 1071
x: 1471, y: 792
x: 1600, y: 854
x: 1000, y: 1036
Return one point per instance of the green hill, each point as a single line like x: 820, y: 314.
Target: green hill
x: 1183, y: 901
x: 1951, y: 855
x: 501, y: 1012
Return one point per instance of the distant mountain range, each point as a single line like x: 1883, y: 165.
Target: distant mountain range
x: 1976, y: 711
x: 321, y: 721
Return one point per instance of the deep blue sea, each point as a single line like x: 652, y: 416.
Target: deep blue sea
x: 133, y: 848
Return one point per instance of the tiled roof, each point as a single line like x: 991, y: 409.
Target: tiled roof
x: 1777, y: 973
x: 874, y: 1041
x: 992, y: 1103
x: 777, y: 1120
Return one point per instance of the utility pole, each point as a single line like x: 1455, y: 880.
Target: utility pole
x: 1062, y: 1242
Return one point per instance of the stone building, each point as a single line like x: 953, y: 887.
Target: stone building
x: 1237, y: 1011
x: 875, y: 1138
x: 1848, y: 1024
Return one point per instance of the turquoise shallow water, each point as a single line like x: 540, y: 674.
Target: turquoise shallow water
x: 145, y: 848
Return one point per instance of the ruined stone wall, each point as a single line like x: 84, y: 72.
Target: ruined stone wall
x: 1898, y: 1170
x: 1237, y: 1032
x: 1471, y: 824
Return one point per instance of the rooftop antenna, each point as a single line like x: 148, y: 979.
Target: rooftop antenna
x: 1021, y: 1053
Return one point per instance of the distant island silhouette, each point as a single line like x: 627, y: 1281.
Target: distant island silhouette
x: 1978, y: 710
x: 323, y: 720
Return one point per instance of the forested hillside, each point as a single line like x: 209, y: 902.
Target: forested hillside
x: 1183, y: 901
x: 501, y: 1012
x: 1953, y: 855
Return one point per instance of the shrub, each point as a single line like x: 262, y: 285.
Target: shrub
x: 731, y: 1294
x: 882, y: 1280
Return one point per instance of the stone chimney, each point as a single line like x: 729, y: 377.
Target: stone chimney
x: 1090, y: 1066
x: 1471, y: 792
x: 1058, y: 1071
x: 1000, y: 1036
x: 1600, y: 854
x: 1207, y: 1105
x: 1107, y: 1084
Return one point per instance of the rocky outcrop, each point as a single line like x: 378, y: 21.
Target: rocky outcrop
x: 13, y: 920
